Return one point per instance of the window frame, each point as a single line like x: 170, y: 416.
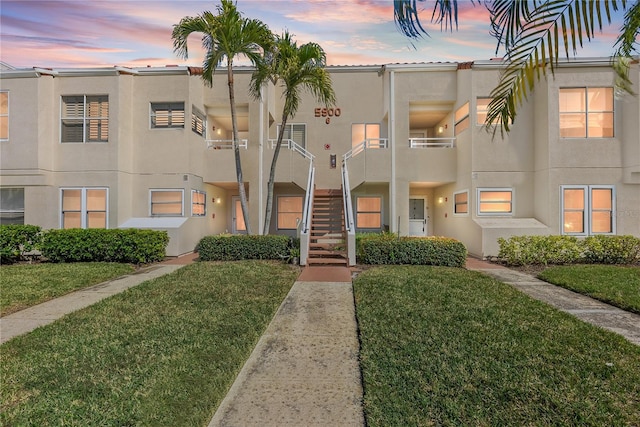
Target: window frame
x: 166, y: 190
x: 354, y: 143
x: 4, y: 211
x: 587, y: 112
x: 459, y: 120
x: 203, y: 204
x: 356, y: 211
x: 198, y: 116
x: 479, y: 202
x: 5, y: 116
x: 83, y: 206
x: 85, y: 118
x: 290, y: 126
x: 455, y: 203
x: 278, y: 212
x: 154, y: 107
x: 587, y: 216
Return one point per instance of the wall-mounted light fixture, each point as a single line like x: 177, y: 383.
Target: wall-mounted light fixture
x: 440, y: 129
x: 219, y: 131
x: 440, y: 200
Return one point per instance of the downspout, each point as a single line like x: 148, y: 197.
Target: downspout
x: 261, y: 148
x: 392, y: 146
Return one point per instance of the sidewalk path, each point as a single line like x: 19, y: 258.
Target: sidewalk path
x: 31, y: 318
x: 584, y: 308
x: 304, y: 370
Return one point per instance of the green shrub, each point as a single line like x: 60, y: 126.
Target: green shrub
x: 231, y: 247
x: 387, y: 248
x: 16, y: 240
x: 109, y: 245
x: 602, y: 249
x: 531, y: 250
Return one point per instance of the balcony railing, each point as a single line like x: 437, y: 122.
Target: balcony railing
x: 293, y: 146
x: 225, y: 144
x: 364, y: 145
x: 431, y: 142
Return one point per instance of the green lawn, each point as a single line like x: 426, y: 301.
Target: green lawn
x: 161, y: 354
x: 444, y: 346
x: 24, y: 285
x: 616, y: 285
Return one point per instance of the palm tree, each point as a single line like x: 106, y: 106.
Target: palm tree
x: 298, y: 69
x: 224, y: 37
x: 531, y: 32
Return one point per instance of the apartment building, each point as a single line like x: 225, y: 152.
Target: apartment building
x: 152, y: 148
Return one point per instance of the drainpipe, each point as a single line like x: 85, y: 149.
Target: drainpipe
x: 260, y: 178
x: 392, y: 147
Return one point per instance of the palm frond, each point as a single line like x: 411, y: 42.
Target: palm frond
x: 626, y: 46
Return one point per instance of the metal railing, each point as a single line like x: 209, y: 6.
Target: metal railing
x: 226, y: 144
x: 348, y: 216
x: 293, y: 146
x: 431, y: 142
x: 305, y: 238
x: 364, y: 145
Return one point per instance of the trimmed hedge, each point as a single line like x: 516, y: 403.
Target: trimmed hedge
x: 108, y: 245
x: 543, y: 250
x: 16, y: 240
x: 387, y: 248
x: 232, y: 247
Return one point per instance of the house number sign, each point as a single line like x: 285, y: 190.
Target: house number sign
x: 327, y: 113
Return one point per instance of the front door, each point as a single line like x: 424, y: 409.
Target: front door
x: 237, y: 217
x: 418, y: 217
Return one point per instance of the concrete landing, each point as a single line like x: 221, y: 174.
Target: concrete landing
x: 304, y: 370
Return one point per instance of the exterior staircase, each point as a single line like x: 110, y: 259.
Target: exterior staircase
x: 327, y: 245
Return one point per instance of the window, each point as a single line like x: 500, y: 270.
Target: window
x: 586, y: 112
x: 11, y: 206
x: 461, y: 202
x: 461, y: 119
x: 167, y: 115
x: 495, y: 201
x: 198, y: 203
x: 289, y: 212
x: 369, y: 212
x: 587, y: 209
x: 363, y: 131
x: 296, y: 132
x: 84, y: 207
x: 4, y: 116
x: 167, y: 203
x: 198, y: 121
x: 85, y: 118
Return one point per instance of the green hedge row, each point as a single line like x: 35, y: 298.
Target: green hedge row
x: 109, y: 245
x: 387, y: 248
x: 231, y: 247
x: 16, y: 240
x: 600, y: 249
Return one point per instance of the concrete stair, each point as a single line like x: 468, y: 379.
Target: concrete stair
x: 327, y: 235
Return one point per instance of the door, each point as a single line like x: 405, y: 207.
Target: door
x: 418, y: 217
x: 238, y: 225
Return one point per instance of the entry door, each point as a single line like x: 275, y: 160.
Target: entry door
x: 418, y: 217
x: 237, y: 217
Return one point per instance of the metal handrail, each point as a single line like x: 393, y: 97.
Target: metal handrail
x: 366, y: 144
x: 293, y: 146
x: 348, y: 216
x: 308, y: 199
x: 431, y: 142
x: 222, y: 144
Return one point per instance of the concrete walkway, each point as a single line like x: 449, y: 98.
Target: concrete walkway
x: 587, y: 309
x: 304, y: 370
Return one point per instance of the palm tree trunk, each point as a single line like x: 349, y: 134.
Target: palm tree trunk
x: 236, y: 149
x: 272, y: 177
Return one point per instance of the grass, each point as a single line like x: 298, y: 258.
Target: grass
x: 444, y: 346
x: 162, y: 353
x: 619, y: 286
x: 25, y: 285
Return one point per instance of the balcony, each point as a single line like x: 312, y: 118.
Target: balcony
x: 370, y: 160
x: 429, y: 159
x: 293, y: 162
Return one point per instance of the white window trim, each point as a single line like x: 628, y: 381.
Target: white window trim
x: 83, y: 205
x: 85, y: 118
x: 586, y: 113
x: 483, y: 189
x: 291, y: 125
x: 205, y: 203
x: 8, y: 115
x: 278, y: 210
x: 181, y: 190
x: 152, y: 115
x: 588, y: 209
x: 468, y: 203
x: 199, y: 114
x: 355, y: 211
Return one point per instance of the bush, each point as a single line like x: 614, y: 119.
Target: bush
x: 16, y: 240
x: 387, y: 248
x: 108, y: 245
x: 528, y: 250
x: 612, y: 249
x: 232, y: 247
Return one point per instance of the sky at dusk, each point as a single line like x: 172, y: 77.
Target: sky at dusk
x: 137, y: 33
